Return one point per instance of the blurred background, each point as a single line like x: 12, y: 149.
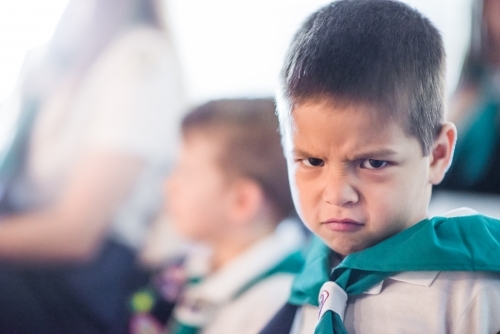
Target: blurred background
x: 227, y: 48
x: 95, y: 131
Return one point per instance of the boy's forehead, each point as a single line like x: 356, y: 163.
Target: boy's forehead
x: 202, y: 142
x: 357, y: 126
x: 328, y: 108
x: 202, y: 134
x: 313, y: 114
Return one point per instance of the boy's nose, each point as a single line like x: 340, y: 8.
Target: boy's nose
x: 339, y: 191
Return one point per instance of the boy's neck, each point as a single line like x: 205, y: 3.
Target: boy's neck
x: 235, y: 243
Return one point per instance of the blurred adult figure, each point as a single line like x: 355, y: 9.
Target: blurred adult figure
x: 94, y: 131
x: 475, y: 107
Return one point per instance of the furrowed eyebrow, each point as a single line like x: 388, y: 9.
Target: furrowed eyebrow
x: 378, y: 154
x: 300, y: 153
x: 381, y: 154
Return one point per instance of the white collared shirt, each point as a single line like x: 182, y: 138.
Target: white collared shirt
x: 421, y: 302
x: 249, y: 312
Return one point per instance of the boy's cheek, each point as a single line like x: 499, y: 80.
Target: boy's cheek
x: 292, y: 170
x: 306, y: 195
x: 305, y: 204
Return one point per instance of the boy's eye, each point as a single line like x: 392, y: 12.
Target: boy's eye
x: 312, y: 162
x: 373, y: 164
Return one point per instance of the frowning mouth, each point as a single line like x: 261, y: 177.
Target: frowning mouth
x: 343, y: 225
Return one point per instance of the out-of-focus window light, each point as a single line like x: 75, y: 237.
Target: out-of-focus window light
x: 24, y: 24
x: 235, y: 48
x: 227, y: 47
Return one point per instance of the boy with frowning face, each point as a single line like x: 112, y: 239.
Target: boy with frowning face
x: 362, y: 119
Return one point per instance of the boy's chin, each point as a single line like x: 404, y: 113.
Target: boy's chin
x: 343, y: 249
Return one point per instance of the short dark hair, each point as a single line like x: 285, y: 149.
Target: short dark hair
x: 250, y: 142
x: 380, y: 52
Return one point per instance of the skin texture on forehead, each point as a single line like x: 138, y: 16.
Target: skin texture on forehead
x: 391, y: 110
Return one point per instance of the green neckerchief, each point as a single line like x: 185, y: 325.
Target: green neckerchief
x: 476, y: 147
x: 474, y: 150
x: 467, y: 243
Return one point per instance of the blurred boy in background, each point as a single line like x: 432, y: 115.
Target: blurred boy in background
x: 229, y: 192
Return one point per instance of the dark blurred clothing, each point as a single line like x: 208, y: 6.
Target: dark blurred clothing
x: 88, y: 298
x: 476, y: 162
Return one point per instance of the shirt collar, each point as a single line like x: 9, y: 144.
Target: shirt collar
x: 422, y: 278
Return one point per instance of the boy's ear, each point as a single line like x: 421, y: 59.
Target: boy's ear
x: 442, y: 152
x: 247, y: 200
